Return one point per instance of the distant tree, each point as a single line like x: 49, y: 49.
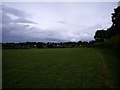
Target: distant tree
x: 40, y: 45
x: 50, y: 45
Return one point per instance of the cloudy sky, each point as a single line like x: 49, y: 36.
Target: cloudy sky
x: 54, y: 22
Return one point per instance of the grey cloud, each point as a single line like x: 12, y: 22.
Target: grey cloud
x: 13, y: 33
x: 5, y: 18
x: 20, y: 14
x: 17, y: 29
x: 87, y: 33
x: 13, y: 11
x: 12, y: 30
x: 119, y: 3
x: 22, y: 20
x: 97, y: 26
x: 21, y: 33
x: 61, y: 22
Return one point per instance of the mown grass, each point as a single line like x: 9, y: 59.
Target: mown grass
x: 112, y: 60
x: 58, y: 68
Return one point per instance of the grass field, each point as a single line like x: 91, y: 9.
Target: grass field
x: 59, y: 68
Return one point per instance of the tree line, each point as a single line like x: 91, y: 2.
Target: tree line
x: 27, y: 45
x: 110, y: 38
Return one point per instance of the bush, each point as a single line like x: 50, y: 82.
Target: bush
x: 115, y: 42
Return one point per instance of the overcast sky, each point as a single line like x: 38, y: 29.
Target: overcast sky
x: 54, y: 22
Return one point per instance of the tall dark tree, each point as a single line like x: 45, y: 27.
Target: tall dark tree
x: 116, y: 16
x: 100, y: 35
x: 112, y: 34
x: 115, y: 28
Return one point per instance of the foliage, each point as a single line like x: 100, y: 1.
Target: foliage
x: 100, y: 35
x: 111, y: 37
x: 115, y: 42
x: 27, y: 45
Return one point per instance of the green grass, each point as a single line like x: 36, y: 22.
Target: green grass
x: 58, y: 68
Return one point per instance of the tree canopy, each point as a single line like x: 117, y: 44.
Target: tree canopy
x: 111, y: 36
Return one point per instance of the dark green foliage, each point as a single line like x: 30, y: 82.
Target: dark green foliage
x: 28, y: 45
x: 100, y: 35
x: 111, y: 37
x: 113, y: 63
x: 114, y: 42
x: 40, y: 45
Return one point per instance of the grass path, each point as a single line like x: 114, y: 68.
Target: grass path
x: 57, y: 68
x: 105, y: 75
